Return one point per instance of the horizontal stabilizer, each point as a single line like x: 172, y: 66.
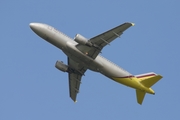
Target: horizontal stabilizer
x: 140, y: 96
x: 148, y: 82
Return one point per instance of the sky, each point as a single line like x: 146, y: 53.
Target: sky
x: 31, y: 88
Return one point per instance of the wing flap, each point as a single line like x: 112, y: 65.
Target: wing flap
x: 108, y: 36
x: 74, y: 85
x: 75, y: 78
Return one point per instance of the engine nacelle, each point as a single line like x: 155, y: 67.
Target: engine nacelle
x: 82, y: 40
x: 61, y: 66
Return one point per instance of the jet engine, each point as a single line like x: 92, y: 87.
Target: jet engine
x: 82, y: 40
x: 61, y: 66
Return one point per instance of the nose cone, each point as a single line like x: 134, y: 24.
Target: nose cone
x: 38, y: 28
x: 31, y: 25
x: 34, y: 26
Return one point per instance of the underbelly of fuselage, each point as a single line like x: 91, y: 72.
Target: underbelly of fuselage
x: 99, y: 65
x: 72, y: 52
x: 128, y: 81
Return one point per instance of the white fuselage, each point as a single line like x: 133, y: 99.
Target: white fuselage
x: 68, y: 46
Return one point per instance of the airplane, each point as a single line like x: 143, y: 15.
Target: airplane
x: 83, y: 54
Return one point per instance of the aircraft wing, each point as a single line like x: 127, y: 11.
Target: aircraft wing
x: 75, y: 78
x: 103, y: 39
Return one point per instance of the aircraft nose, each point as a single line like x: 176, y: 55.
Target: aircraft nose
x: 33, y: 26
x: 37, y: 28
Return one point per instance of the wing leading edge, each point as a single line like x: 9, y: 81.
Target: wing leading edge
x: 103, y: 39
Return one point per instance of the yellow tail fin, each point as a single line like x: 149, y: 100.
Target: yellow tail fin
x: 140, y: 96
x: 148, y: 82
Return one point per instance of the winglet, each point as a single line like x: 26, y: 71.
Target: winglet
x: 132, y: 24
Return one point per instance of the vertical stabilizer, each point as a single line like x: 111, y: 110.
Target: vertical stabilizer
x: 140, y: 96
